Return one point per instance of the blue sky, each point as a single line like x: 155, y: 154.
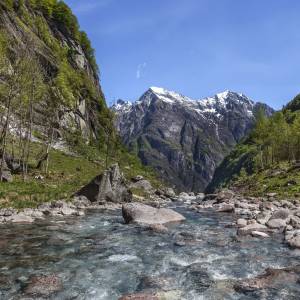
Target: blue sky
x: 195, y: 47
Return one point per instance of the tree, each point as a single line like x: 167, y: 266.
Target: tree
x: 260, y: 134
x: 296, y: 136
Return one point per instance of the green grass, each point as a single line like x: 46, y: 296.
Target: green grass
x: 67, y: 174
x: 272, y: 180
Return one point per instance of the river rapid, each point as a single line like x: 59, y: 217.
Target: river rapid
x: 99, y: 257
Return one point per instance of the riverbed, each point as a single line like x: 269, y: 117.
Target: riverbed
x: 99, y: 257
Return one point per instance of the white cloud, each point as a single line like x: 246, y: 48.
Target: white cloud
x: 140, y: 70
x: 90, y: 5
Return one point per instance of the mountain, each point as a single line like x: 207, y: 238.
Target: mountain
x: 184, y: 139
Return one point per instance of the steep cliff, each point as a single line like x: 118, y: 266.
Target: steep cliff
x: 183, y: 139
x: 47, y: 33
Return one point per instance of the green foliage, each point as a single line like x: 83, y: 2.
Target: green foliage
x: 277, y: 138
x: 88, y: 50
x: 68, y: 83
x: 294, y: 105
x: 63, y: 15
x: 43, y: 30
x: 9, y: 4
x: 45, y: 6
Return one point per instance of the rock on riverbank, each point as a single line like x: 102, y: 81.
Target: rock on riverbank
x: 258, y: 217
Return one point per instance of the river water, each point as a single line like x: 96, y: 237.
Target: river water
x: 99, y: 257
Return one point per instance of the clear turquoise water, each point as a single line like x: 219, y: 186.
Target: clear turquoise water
x: 99, y: 257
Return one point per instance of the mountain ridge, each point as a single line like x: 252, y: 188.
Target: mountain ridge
x: 181, y: 137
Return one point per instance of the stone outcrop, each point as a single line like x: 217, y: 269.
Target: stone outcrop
x: 147, y: 215
x: 110, y: 186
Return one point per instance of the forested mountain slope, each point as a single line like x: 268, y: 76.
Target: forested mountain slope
x: 268, y: 160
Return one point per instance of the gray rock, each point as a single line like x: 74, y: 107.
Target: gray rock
x: 263, y: 218
x: 252, y: 227
x: 6, y: 175
x: 110, y: 186
x: 197, y: 278
x: 200, y: 197
x: 295, y: 241
x: 229, y: 208
x: 20, y: 218
x: 138, y: 178
x: 34, y: 213
x: 42, y: 285
x: 267, y: 206
x: 271, y: 195
x: 291, y: 234
x: 144, y: 214
x: 276, y: 223
x: 287, y: 204
x: 270, y: 279
x: 158, y: 228
x: 244, y: 212
x: 281, y: 214
x: 186, y: 197
x: 81, y: 202
x: 295, y: 222
x: 241, y: 222
x: 7, y: 212
x: 169, y: 192
x: 68, y: 211
x: 259, y: 234
x: 142, y: 184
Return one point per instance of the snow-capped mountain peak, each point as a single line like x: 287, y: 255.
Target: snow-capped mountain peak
x: 122, y: 106
x: 212, y: 108
x: 182, y: 138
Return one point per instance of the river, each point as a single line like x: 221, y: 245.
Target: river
x: 99, y: 257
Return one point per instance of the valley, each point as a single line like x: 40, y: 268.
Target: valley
x: 167, y: 197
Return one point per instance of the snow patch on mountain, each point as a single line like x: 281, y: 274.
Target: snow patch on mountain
x: 209, y: 108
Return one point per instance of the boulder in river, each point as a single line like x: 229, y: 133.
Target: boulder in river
x: 252, y: 227
x: 110, y: 186
x: 43, y: 285
x: 159, y: 295
x: 271, y: 278
x: 148, y: 215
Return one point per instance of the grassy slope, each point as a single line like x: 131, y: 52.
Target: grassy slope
x: 66, y: 175
x: 282, y: 179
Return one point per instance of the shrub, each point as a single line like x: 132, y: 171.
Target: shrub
x: 64, y: 16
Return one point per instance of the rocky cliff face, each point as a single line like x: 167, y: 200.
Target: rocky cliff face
x: 184, y: 139
x: 51, y: 33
